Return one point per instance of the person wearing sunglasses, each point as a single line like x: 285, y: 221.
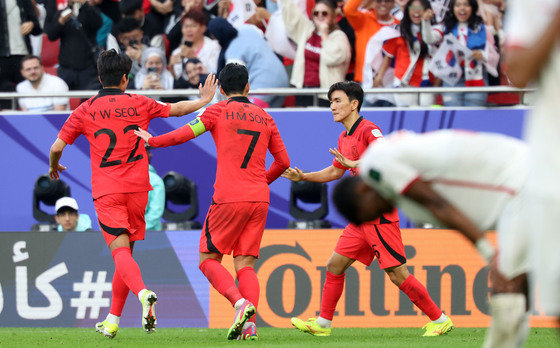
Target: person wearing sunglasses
x: 367, y: 23
x: 323, y: 51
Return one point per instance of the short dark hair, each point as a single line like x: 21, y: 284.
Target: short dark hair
x: 66, y: 209
x: 196, y: 15
x: 233, y: 78
x: 128, y: 7
x: 29, y: 57
x: 352, y: 89
x: 345, y: 198
x: 112, y: 66
x: 127, y: 24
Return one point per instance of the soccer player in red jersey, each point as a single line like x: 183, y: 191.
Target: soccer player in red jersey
x: 243, y: 132
x: 380, y: 238
x: 119, y: 167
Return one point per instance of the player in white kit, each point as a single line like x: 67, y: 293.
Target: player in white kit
x: 462, y: 180
x: 534, y: 55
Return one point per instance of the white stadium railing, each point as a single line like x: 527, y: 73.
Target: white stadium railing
x: 13, y: 96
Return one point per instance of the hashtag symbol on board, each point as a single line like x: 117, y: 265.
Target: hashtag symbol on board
x: 87, y: 287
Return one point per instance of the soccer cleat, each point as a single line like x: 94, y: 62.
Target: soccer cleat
x: 242, y: 314
x: 149, y: 320
x: 311, y: 327
x: 433, y: 329
x: 107, y: 329
x: 249, y: 333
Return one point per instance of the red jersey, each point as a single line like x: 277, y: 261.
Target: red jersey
x: 398, y: 48
x: 119, y: 163
x: 353, y: 144
x: 243, y: 132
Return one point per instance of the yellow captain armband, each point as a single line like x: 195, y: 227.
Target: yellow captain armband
x: 197, y: 126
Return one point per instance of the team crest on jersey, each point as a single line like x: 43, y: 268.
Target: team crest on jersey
x: 376, y: 133
x: 375, y: 175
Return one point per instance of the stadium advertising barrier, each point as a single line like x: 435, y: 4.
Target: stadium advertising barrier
x: 64, y: 280
x: 308, y: 134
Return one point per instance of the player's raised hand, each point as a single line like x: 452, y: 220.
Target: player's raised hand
x: 293, y: 174
x: 343, y: 160
x: 209, y: 89
x: 143, y: 134
x: 54, y: 173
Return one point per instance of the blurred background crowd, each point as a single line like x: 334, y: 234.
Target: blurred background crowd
x: 52, y: 45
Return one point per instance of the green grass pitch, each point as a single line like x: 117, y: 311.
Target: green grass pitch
x: 269, y: 337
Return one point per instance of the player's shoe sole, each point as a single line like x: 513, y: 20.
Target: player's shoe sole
x: 433, y: 329
x: 106, y: 329
x: 249, y: 334
x: 311, y: 327
x: 246, y: 311
x: 149, y: 320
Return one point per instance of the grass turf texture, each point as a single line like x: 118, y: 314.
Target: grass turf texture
x: 269, y: 337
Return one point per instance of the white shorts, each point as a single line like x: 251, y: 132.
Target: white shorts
x: 513, y: 239
x: 544, y: 215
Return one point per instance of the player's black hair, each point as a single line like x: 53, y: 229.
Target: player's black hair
x: 128, y: 7
x: 451, y: 21
x: 406, y: 27
x: 29, y: 57
x: 112, y: 66
x: 352, y: 89
x: 345, y: 198
x: 233, y: 78
x: 127, y: 24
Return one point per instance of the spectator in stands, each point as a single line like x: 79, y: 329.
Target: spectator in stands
x: 37, y: 81
x: 76, y: 26
x: 192, y: 75
x: 367, y: 23
x: 175, y: 35
x: 464, y: 23
x: 17, y: 21
x: 323, y: 50
x: 159, y: 13
x: 156, y: 198
x: 68, y: 218
x: 247, y: 46
x: 195, y: 44
x: 107, y: 22
x: 133, y: 41
x: 110, y: 8
x: 153, y: 74
x: 411, y: 52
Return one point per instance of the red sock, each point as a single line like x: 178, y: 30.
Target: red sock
x: 128, y: 269
x: 249, y: 286
x: 418, y: 294
x: 221, y: 280
x: 120, y: 293
x: 332, y: 290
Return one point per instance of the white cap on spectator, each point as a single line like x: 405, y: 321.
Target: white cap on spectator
x: 66, y: 202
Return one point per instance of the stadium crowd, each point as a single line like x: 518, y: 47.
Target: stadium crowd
x: 300, y: 43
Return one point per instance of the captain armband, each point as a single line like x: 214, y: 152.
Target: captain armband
x: 197, y: 126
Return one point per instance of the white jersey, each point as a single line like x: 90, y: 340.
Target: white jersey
x: 49, y: 84
x: 479, y: 173
x: 542, y: 129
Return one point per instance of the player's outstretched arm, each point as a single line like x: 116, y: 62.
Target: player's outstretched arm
x: 343, y: 160
x: 54, y: 156
x: 206, y: 91
x: 180, y: 135
x: 448, y: 214
x: 281, y: 164
x: 330, y: 173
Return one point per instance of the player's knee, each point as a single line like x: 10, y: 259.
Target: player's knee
x: 398, y: 275
x: 335, y: 267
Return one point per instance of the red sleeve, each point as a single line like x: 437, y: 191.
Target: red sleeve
x: 335, y: 162
x: 372, y: 133
x: 280, y: 164
x: 72, y: 128
x: 176, y: 137
x: 276, y: 144
x: 156, y: 108
x: 210, y: 116
x: 390, y: 47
